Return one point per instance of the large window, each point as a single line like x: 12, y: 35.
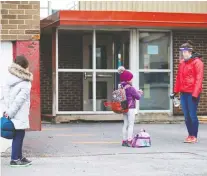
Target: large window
x: 154, y: 70
x: 156, y: 91
x: 87, y: 68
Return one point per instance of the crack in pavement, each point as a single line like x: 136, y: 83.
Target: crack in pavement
x: 113, y: 154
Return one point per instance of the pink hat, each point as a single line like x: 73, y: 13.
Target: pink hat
x: 124, y: 74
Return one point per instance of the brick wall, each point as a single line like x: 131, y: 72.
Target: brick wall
x: 70, y: 92
x: 199, y: 38
x: 70, y: 52
x: 70, y: 84
x: 46, y: 73
x: 20, y: 20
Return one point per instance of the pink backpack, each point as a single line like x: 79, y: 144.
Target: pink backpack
x: 142, y: 139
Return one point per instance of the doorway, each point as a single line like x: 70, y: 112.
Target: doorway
x: 112, y: 50
x: 87, y: 77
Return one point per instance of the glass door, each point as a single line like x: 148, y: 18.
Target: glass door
x: 110, y: 54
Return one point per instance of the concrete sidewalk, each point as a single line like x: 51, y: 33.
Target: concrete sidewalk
x: 5, y: 144
x: 94, y: 149
x: 162, y: 164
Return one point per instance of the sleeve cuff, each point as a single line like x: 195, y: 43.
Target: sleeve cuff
x: 194, y: 95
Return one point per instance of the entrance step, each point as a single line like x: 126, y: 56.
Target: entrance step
x: 140, y: 118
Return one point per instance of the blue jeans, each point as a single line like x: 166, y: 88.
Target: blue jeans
x: 17, y: 144
x: 189, y: 108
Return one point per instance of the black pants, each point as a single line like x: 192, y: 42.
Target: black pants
x: 17, y: 144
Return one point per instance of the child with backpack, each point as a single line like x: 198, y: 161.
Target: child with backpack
x: 131, y: 96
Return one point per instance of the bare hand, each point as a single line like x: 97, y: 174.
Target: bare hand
x: 5, y: 115
x: 141, y: 91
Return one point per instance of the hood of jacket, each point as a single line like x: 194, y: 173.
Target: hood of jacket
x: 196, y: 55
x: 18, y: 74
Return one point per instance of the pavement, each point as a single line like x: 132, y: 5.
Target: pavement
x: 93, y: 149
x: 5, y: 144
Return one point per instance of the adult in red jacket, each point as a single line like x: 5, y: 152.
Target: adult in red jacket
x: 189, y: 84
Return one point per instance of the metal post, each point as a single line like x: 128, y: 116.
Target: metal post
x: 134, y: 58
x: 57, y: 61
x: 54, y: 72
x: 171, y: 71
x: 137, y: 65
x: 94, y: 70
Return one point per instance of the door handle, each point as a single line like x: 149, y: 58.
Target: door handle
x: 104, y: 76
x: 87, y: 76
x: 99, y: 76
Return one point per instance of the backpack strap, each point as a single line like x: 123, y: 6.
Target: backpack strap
x: 126, y: 87
x: 122, y: 94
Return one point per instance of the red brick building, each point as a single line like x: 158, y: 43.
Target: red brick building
x: 81, y: 50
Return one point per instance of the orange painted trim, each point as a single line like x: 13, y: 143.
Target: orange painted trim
x: 134, y: 24
x: 132, y: 19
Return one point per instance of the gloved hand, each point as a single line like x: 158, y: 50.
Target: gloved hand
x: 194, y: 99
x: 172, y: 95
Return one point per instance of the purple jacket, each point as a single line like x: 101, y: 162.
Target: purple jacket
x: 131, y: 94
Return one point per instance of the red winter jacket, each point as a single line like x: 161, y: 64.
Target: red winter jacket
x: 190, y: 76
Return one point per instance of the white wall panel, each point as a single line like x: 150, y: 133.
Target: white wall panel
x: 146, y: 6
x: 6, y: 57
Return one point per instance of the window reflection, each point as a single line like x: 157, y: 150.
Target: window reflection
x: 154, y: 50
x: 156, y: 87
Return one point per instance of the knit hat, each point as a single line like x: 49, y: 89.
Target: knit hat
x: 124, y: 74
